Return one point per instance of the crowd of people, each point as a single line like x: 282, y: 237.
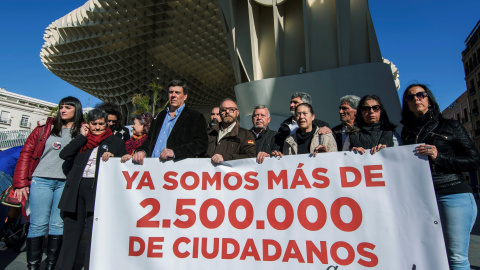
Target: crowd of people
x: 58, y: 166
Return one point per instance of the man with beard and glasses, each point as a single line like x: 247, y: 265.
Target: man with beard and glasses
x: 229, y: 141
x: 290, y: 126
x: 348, y: 112
x: 264, y: 137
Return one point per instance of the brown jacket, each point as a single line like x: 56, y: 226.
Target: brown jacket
x: 237, y: 144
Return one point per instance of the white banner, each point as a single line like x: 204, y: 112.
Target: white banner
x: 334, y: 211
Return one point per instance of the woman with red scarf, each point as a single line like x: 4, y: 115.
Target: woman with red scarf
x: 78, y: 199
x: 141, y: 124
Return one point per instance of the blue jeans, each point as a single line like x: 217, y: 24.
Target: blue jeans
x: 457, y: 214
x: 44, y: 195
x: 5, y: 182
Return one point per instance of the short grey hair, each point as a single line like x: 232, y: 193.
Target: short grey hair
x: 96, y: 114
x: 261, y: 107
x: 352, y: 100
x: 306, y: 98
x: 227, y: 99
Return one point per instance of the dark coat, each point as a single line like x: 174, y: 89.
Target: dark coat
x: 188, y: 138
x: 122, y: 133
x: 456, y: 151
x: 265, y: 142
x: 237, y: 144
x: 337, y: 134
x: 68, y: 201
x: 368, y: 136
x: 284, y: 130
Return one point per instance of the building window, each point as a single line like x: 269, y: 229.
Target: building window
x: 465, y: 115
x: 5, y: 117
x: 458, y: 117
x: 24, y: 121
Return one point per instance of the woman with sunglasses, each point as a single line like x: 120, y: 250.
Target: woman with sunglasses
x: 374, y: 130
x: 450, y: 151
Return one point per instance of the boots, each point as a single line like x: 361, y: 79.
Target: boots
x: 53, y: 249
x: 34, y: 252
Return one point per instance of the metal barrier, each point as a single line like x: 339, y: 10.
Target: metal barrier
x: 12, y: 138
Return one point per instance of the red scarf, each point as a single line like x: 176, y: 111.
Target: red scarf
x: 94, y: 140
x: 134, y: 142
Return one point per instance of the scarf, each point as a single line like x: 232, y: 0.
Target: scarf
x: 134, y: 142
x: 303, y: 140
x: 94, y: 140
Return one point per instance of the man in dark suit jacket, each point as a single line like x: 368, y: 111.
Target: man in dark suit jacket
x: 177, y: 132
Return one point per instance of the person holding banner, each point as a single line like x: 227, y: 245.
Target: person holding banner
x: 307, y: 139
x: 450, y: 152
x: 374, y: 130
x: 96, y: 141
x: 40, y: 175
x: 141, y: 125
x: 177, y: 132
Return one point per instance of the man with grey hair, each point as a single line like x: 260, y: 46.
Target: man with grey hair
x: 289, y: 126
x: 348, y: 111
x: 264, y: 137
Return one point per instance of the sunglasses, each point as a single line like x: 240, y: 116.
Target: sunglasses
x: 375, y: 108
x: 419, y: 95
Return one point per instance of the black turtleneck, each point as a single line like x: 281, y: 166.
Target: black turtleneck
x: 303, y: 141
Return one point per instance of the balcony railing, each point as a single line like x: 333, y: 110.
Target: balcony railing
x: 13, y: 138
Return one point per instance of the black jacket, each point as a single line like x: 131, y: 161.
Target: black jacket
x: 456, y: 151
x: 284, y: 130
x: 337, y: 134
x: 265, y: 142
x: 122, y: 133
x: 188, y: 138
x: 112, y: 144
x: 368, y: 136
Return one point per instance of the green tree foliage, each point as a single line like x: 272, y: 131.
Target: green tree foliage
x: 144, y: 103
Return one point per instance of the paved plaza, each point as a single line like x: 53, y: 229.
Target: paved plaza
x: 11, y: 260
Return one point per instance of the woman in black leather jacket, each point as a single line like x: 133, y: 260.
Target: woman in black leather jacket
x: 450, y: 152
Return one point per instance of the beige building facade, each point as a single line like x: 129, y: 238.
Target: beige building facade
x: 18, y: 112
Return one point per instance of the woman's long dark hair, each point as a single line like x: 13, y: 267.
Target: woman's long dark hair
x: 77, y: 117
x: 384, y: 120
x: 433, y: 105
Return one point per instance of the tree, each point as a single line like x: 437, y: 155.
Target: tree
x: 142, y: 102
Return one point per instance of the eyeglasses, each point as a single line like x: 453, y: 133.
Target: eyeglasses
x: 419, y: 95
x: 375, y: 108
x: 230, y: 110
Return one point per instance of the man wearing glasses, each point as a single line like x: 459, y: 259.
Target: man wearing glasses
x: 177, y: 132
x: 229, y: 141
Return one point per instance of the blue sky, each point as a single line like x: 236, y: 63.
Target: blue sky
x: 424, y: 39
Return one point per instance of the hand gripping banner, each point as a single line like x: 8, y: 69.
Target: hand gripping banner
x: 334, y: 211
